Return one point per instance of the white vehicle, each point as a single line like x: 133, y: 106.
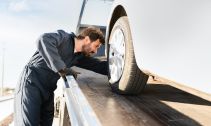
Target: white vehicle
x: 171, y: 38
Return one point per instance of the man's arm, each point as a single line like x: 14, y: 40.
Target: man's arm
x: 47, y: 47
x: 94, y: 64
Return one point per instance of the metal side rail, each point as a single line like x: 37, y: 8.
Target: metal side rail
x: 80, y: 111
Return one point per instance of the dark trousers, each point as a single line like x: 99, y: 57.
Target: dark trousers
x: 31, y: 108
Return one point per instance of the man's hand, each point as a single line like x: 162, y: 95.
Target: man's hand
x: 68, y: 71
x: 73, y: 72
x: 62, y: 72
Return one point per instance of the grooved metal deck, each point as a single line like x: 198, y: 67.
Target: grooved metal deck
x: 159, y: 104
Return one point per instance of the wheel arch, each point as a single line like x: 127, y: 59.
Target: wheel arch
x: 118, y: 12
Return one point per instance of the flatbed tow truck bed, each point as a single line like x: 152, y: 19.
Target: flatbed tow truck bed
x: 159, y: 104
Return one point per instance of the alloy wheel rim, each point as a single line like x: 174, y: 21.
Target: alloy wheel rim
x: 116, y: 55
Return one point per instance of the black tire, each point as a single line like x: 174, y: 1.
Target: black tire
x: 132, y: 80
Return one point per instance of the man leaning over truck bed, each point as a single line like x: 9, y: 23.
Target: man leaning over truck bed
x: 57, y: 53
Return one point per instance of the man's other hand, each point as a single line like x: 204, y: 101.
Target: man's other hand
x: 68, y: 71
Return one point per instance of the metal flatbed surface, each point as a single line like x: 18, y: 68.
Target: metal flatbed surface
x: 159, y: 104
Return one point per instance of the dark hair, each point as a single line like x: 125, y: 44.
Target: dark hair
x: 93, y: 33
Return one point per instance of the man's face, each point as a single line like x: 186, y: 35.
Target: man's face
x: 89, y: 48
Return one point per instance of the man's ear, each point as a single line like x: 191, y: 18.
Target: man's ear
x: 87, y: 39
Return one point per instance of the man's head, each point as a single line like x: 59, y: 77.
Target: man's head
x: 91, y: 39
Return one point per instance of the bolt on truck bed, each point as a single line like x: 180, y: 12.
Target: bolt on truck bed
x: 159, y: 104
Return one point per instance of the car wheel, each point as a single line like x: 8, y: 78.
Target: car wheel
x: 124, y: 75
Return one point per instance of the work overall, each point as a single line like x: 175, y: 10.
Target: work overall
x: 34, y: 94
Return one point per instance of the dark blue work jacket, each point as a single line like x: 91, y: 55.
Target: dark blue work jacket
x: 55, y: 52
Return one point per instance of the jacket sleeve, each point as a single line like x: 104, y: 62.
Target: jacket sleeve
x: 48, y: 45
x: 94, y: 64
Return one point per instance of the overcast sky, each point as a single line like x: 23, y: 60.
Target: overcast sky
x: 23, y: 21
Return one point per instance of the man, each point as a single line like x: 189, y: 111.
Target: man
x: 56, y: 54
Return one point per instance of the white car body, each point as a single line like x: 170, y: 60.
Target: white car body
x: 171, y: 38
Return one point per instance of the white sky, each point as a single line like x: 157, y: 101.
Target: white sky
x: 23, y: 21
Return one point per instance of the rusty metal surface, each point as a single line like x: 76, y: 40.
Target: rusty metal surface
x: 159, y: 104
